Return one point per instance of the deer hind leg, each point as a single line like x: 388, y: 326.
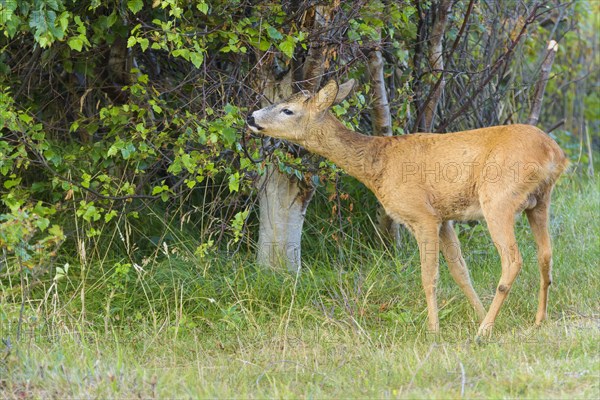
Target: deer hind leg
x: 458, y: 267
x: 538, y: 219
x: 501, y: 226
x: 427, y: 235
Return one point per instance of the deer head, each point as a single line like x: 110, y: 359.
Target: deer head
x: 292, y: 118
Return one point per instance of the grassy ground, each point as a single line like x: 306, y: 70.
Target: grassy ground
x: 351, y: 326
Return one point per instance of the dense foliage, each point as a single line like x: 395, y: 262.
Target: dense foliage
x: 122, y: 123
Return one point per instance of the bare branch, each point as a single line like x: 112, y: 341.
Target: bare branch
x: 540, y: 86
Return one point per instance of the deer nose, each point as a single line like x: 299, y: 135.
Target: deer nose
x: 252, y: 123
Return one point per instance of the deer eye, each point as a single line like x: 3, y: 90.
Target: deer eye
x: 287, y: 111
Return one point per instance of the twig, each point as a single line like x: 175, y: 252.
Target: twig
x: 443, y: 71
x: 556, y: 125
x: 504, y: 58
x: 540, y: 85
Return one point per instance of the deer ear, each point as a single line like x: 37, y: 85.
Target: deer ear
x: 344, y: 90
x: 325, y: 97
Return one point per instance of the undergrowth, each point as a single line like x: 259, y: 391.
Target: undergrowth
x: 175, y: 323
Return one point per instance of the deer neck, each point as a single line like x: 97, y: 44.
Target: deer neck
x: 359, y: 155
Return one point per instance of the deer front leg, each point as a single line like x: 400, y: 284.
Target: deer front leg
x: 428, y: 240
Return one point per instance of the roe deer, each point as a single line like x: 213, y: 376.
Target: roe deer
x: 425, y: 181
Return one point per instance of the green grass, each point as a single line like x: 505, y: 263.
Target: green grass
x: 351, y: 326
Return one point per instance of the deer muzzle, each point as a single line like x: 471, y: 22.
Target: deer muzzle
x: 252, y: 123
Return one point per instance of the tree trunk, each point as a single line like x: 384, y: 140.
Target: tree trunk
x: 540, y: 86
x: 314, y: 65
x: 436, y: 62
x: 283, y: 199
x: 381, y: 122
x: 282, y: 203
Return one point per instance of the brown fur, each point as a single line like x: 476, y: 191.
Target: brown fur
x: 425, y: 181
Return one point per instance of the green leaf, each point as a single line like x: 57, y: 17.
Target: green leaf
x: 263, y: 45
x: 237, y: 224
x: 75, y: 43
x: 91, y: 214
x: 56, y: 230
x: 229, y: 135
x: 12, y: 182
x: 183, y: 53
x: 160, y: 189
x: 288, y: 46
x: 144, y: 43
x: 63, y: 20
x: 110, y: 215
x: 113, y: 150
x: 135, y: 5
x: 128, y: 150
x: 157, y: 109
x: 234, y: 182
x: 53, y: 4
x: 196, y: 59
x: 202, y: 7
x: 25, y: 118
x: 175, y: 167
x: 230, y: 109
x: 42, y: 223
x: 38, y: 20
x: 131, y: 41
x: 86, y: 180
x: 7, y: 12
x: 111, y: 19
x: 274, y: 33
